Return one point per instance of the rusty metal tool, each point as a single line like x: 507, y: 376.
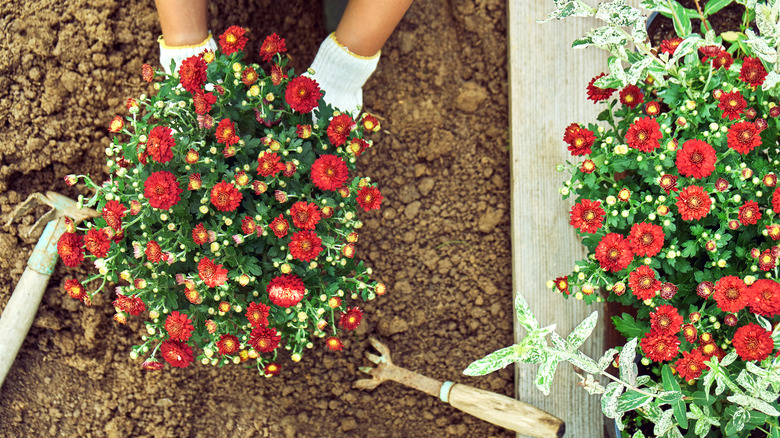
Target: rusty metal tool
x: 495, y: 408
x: 19, y: 313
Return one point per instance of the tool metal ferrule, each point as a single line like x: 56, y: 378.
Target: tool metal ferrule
x: 444, y: 392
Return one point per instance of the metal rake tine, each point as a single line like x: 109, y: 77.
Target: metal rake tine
x: 380, y: 347
x: 367, y: 383
x: 374, y: 358
x: 28, y: 204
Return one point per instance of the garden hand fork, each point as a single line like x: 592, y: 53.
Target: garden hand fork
x: 19, y: 313
x: 495, y: 408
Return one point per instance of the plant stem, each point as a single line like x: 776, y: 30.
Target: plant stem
x: 701, y: 15
x: 603, y: 373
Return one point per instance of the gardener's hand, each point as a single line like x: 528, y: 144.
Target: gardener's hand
x: 180, y: 53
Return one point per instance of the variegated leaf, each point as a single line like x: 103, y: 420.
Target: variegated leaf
x: 603, y: 37
x: 524, y: 315
x: 754, y: 403
x: 770, y: 81
x: 582, y: 331
x: 664, y: 424
x: 638, y: 70
x: 609, y: 401
x: 656, y: 5
x: 689, y: 45
x: 632, y: 400
x: 638, y: 434
x: 607, y: 358
x: 765, y: 21
x: 728, y: 359
x: 628, y: 369
x: 493, y: 361
x: 567, y: 9
x: 618, y: 13
x: 740, y: 417
x: 545, y: 375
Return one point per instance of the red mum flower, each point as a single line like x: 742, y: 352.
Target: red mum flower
x: 97, y: 242
x: 723, y: 60
x: 614, y: 253
x: 587, y: 215
x: 305, y: 245
x: 228, y: 344
x: 225, y: 196
x: 665, y: 320
x: 305, y: 215
x: 147, y: 72
x: 279, y: 226
x: 162, y: 190
x: 176, y: 353
x: 226, y: 133
x: 643, y: 283
x: 160, y: 143
x: 212, y: 274
x: 776, y: 201
x: 286, y: 290
x: 689, y: 332
x: 152, y: 365
x: 766, y: 261
x: 257, y: 314
x: 646, y: 239
x: 179, y: 326
x: 668, y: 291
x: 233, y: 40
x: 277, y: 75
x: 732, y: 104
x: 339, y: 128
x: 580, y: 140
x: 192, y: 73
x: 731, y: 294
x: 113, y: 212
x: 752, y: 72
x: 668, y: 183
x: 693, y: 202
x: 334, y: 344
x: 743, y: 137
x: 248, y: 225
x: 660, y: 347
x: 75, y: 289
x: 264, y: 339
x: 764, y: 298
x: 249, y: 76
x: 153, y: 251
x: 669, y: 46
x: 597, y: 94
x: 562, y: 284
x: 133, y: 304
x: 369, y: 198
x: 644, y: 134
x: 652, y: 108
x: 116, y: 125
x: 350, y: 319
x: 203, y: 101
x: 200, y: 235
x: 329, y: 172
x: 690, y: 365
x: 70, y: 247
x: 751, y: 342
x: 271, y: 46
x: 631, y: 96
x: 195, y: 182
x: 302, y: 94
x: 269, y: 164
x: 749, y: 213
x: 696, y: 159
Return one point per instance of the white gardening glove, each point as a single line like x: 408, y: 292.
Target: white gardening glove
x: 341, y: 74
x: 180, y: 53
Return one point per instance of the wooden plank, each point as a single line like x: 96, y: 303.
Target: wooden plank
x: 547, y: 93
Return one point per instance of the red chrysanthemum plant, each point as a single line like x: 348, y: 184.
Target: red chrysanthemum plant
x: 230, y: 218
x: 675, y: 197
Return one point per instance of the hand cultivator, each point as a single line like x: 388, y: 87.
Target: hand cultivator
x: 495, y: 408
x: 18, y: 315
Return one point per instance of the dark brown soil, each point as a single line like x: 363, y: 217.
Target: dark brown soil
x: 441, y: 241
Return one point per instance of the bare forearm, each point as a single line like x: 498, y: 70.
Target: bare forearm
x: 367, y: 24
x: 183, y: 22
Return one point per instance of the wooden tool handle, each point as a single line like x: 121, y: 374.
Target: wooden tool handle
x: 505, y: 412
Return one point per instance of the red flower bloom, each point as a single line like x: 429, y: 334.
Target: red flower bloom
x: 743, y: 137
x: 192, y: 73
x: 203, y: 101
x: 334, y: 344
x: 302, y: 94
x: 225, y: 196
x: 113, y: 212
x: 668, y: 291
x: 752, y: 72
x: 749, y: 213
x: 277, y: 75
x: 248, y: 225
x: 339, y: 128
x: 690, y: 365
x: 264, y: 339
x: 176, y: 353
x: 279, y: 226
x: 580, y: 140
x: 70, y: 247
x: 228, y: 344
x: 115, y: 126
x: 587, y: 166
x: 153, y: 251
x: 751, y: 342
x: 272, y: 369
x: 160, y: 143
x: 631, y: 96
x: 162, y: 190
x: 587, y: 215
x: 732, y: 104
x: 226, y: 133
x: 646, y: 239
x: 776, y: 201
x: 286, y: 290
x: 329, y: 172
x: 269, y: 164
x: 305, y: 245
x: 614, y: 253
x: 97, y: 242
x: 669, y: 46
x: 668, y: 183
x: 257, y: 314
x: 689, y: 332
x: 597, y: 94
x: 693, y: 202
x: 200, y: 235
x: 147, y: 72
x: 271, y: 46
x: 178, y: 326
x: 696, y: 159
x: 212, y: 274
x: 350, y: 319
x: 665, y: 320
x: 731, y: 294
x: 719, y: 57
x: 644, y: 134
x: 652, y: 108
x: 195, y: 183
x: 133, y: 304
x: 249, y: 76
x: 660, y: 347
x: 764, y: 298
x: 643, y: 283
x: 75, y: 289
x: 562, y: 284
x: 233, y: 40
x: 369, y: 198
x: 305, y: 215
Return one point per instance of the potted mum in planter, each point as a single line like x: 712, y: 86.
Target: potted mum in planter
x: 230, y: 217
x: 677, y: 200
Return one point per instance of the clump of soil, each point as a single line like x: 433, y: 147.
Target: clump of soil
x: 441, y: 242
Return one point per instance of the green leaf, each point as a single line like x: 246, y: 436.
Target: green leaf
x: 545, y: 375
x: 664, y: 424
x: 632, y: 400
x: 714, y: 6
x: 638, y: 434
x: 607, y: 358
x: 737, y: 422
x: 681, y: 20
x: 582, y: 331
x: 493, y: 361
x: 670, y: 384
x: 627, y: 326
x: 525, y: 317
